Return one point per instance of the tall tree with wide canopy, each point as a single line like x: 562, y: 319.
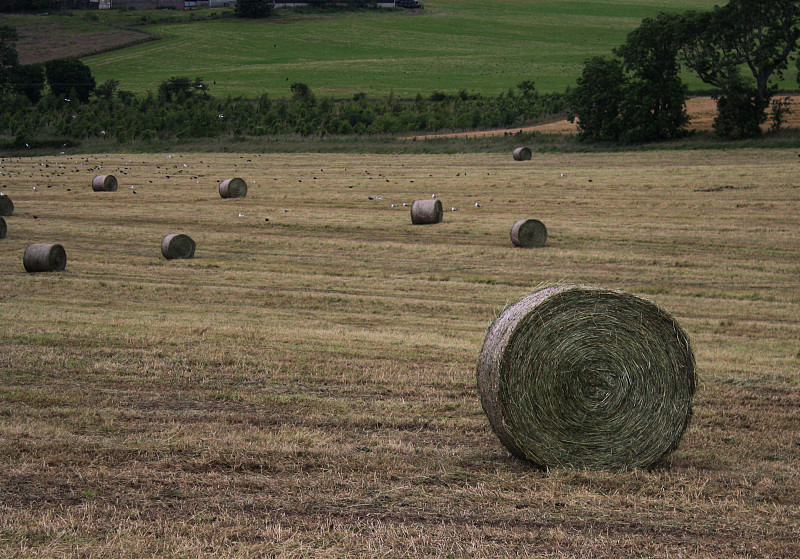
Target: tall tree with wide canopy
x: 755, y: 35
x: 654, y: 105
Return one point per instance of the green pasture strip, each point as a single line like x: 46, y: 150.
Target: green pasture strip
x: 486, y: 47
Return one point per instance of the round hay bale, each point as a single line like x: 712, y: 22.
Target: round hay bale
x: 426, y: 211
x: 6, y: 205
x: 583, y: 377
x: 522, y: 154
x: 233, y: 188
x: 104, y: 183
x: 529, y: 233
x: 177, y: 245
x: 3, y: 228
x: 44, y: 257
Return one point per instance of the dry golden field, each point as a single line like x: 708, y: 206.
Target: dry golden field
x: 305, y: 386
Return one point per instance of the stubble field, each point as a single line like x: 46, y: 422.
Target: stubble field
x: 305, y: 386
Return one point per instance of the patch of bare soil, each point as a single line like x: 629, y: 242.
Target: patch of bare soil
x: 45, y: 41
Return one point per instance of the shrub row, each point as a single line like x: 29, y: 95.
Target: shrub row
x: 183, y: 108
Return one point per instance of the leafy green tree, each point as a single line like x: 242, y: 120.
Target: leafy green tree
x: 65, y: 75
x: 740, y: 112
x: 28, y: 79
x: 181, y: 88
x: 107, y: 89
x: 754, y: 35
x: 253, y: 8
x: 597, y: 99
x: 8, y: 54
x: 654, y: 104
x: 302, y: 93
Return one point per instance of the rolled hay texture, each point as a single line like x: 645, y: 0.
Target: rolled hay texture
x: 3, y: 228
x: 6, y: 205
x: 584, y: 377
x: 522, y: 154
x: 528, y: 233
x: 104, y: 183
x: 233, y: 188
x: 44, y: 257
x: 424, y: 212
x: 177, y: 245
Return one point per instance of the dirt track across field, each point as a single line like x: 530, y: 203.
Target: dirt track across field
x: 702, y: 111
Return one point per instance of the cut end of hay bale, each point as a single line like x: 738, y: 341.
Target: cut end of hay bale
x: 3, y: 228
x: 44, y: 257
x: 425, y: 212
x: 522, y: 154
x: 233, y: 188
x: 104, y: 183
x: 529, y: 233
x: 177, y: 245
x: 583, y: 377
x: 6, y: 205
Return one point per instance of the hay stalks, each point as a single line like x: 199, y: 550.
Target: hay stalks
x: 104, y: 183
x: 44, y: 257
x: 522, y: 154
x: 177, y: 245
x: 583, y: 377
x: 529, y: 233
x: 6, y: 205
x: 425, y: 212
x: 233, y: 188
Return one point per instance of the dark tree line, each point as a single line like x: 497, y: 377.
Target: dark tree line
x: 184, y: 108
x: 739, y: 49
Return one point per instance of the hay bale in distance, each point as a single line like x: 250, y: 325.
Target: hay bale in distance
x: 6, y: 205
x: 44, y: 257
x: 3, y: 228
x: 583, y: 377
x: 104, y: 183
x: 177, y: 245
x: 528, y: 233
x: 233, y: 188
x: 424, y: 212
x: 522, y: 154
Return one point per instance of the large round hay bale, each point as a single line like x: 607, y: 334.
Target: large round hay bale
x: 44, y: 257
x: 583, y: 377
x: 426, y: 211
x: 104, y: 183
x: 233, y: 188
x: 177, y: 245
x: 528, y: 233
x: 3, y: 228
x: 522, y: 154
x: 6, y: 205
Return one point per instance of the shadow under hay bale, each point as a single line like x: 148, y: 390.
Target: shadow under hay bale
x: 177, y: 245
x: 233, y: 188
x: 6, y: 205
x: 44, y: 257
x: 583, y: 377
x: 529, y: 233
x: 104, y: 183
x: 424, y: 212
x: 522, y: 154
x: 3, y: 228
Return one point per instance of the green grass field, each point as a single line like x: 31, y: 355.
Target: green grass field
x: 305, y: 386
x: 479, y: 46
